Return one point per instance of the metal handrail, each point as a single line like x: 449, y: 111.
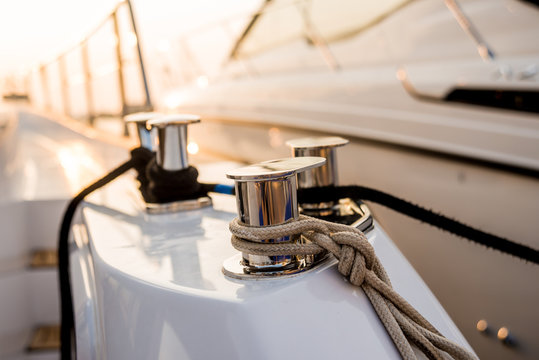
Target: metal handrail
x: 89, y: 75
x: 311, y: 32
x: 484, y: 50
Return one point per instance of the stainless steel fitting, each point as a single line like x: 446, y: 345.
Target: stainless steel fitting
x: 169, y: 135
x: 326, y: 175
x: 348, y: 211
x: 139, y: 120
x: 171, y: 140
x: 266, y: 194
x: 325, y: 147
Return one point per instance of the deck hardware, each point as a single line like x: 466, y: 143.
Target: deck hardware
x: 139, y: 120
x: 347, y: 211
x: 169, y: 136
x: 482, y: 326
x: 266, y: 194
x: 325, y: 175
x: 505, y: 336
x: 170, y: 140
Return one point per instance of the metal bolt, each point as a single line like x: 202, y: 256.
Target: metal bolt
x: 482, y: 326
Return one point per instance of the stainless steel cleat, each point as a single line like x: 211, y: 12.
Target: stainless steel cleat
x: 266, y: 194
x: 347, y: 211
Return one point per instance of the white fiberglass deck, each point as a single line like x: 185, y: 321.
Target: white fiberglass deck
x: 43, y: 164
x: 151, y: 286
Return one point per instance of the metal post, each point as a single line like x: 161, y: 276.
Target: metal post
x: 139, y: 121
x: 88, y: 82
x: 326, y: 147
x: 28, y: 86
x: 266, y: 195
x: 318, y: 40
x: 484, y: 50
x: 119, y: 60
x: 148, y: 104
x: 45, y: 87
x: 64, y: 85
x: 171, y: 140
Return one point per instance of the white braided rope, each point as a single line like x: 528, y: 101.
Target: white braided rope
x: 359, y: 263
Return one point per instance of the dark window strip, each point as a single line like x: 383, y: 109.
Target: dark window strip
x: 517, y: 100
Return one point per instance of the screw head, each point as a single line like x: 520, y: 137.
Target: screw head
x: 482, y: 326
x: 503, y: 334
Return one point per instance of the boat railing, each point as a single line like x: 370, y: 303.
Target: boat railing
x: 75, y: 83
x: 108, y: 59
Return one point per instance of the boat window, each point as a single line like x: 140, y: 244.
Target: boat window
x: 282, y: 21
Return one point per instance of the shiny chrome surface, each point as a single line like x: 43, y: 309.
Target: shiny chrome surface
x: 154, y: 208
x: 365, y: 222
x: 266, y: 195
x: 273, y: 169
x: 317, y: 142
x: 268, y: 202
x: 325, y: 175
x: 347, y: 211
x: 139, y: 121
x: 234, y: 267
x: 171, y: 140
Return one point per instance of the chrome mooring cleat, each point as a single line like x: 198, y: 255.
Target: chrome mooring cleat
x: 346, y: 211
x: 169, y: 135
x: 266, y: 195
x: 139, y: 120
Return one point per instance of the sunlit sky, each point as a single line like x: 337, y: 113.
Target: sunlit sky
x: 36, y: 31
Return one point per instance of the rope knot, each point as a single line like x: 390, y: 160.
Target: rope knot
x: 357, y: 262
x: 352, y: 265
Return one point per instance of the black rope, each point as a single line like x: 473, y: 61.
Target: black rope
x: 167, y: 186
x: 142, y: 157
x: 67, y: 329
x: 332, y: 193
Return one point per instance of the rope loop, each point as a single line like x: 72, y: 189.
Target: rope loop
x: 360, y: 265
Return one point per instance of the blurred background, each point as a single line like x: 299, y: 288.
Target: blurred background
x: 57, y: 50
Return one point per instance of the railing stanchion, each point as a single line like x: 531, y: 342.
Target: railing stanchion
x: 119, y: 60
x: 148, y: 105
x: 64, y: 85
x: 45, y: 87
x: 88, y: 82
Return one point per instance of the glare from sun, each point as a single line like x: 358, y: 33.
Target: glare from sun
x: 192, y: 148
x: 202, y: 81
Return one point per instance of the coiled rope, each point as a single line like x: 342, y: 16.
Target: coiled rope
x: 359, y: 263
